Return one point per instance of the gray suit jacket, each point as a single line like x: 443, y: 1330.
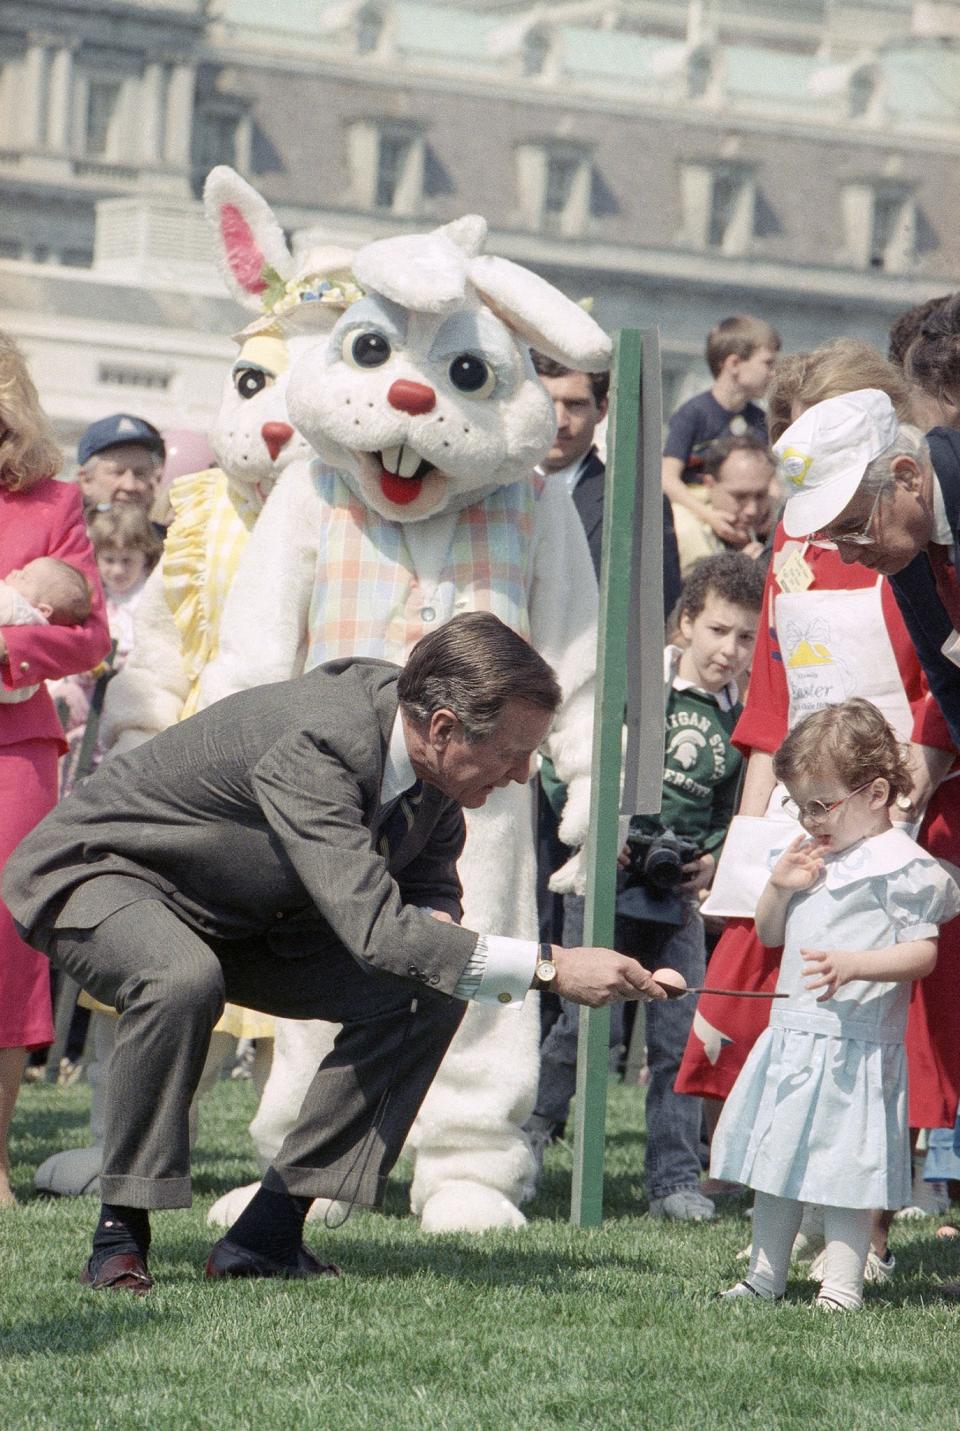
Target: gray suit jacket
x: 259, y: 818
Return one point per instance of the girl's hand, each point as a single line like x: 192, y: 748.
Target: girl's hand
x: 827, y: 969
x: 799, y: 867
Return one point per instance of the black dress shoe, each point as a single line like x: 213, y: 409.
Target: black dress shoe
x: 121, y: 1272
x: 229, y: 1259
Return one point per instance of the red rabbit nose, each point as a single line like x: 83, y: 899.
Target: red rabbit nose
x: 411, y: 397
x: 276, y: 435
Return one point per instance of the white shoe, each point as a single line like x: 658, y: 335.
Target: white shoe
x: 743, y: 1291
x: 684, y: 1205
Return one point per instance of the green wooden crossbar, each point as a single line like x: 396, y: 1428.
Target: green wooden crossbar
x: 629, y: 680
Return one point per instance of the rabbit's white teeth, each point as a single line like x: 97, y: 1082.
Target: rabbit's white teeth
x: 401, y: 461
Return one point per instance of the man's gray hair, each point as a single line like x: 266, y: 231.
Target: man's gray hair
x: 878, y: 475
x: 473, y: 665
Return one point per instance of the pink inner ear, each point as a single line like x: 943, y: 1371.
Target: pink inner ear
x: 243, y: 252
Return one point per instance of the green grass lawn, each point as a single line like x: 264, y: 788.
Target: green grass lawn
x: 551, y: 1326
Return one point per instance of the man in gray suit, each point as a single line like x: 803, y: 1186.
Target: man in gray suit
x: 293, y: 849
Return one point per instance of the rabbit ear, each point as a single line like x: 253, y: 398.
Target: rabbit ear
x: 248, y: 238
x: 541, y: 315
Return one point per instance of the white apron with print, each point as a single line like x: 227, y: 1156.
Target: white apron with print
x: 834, y: 645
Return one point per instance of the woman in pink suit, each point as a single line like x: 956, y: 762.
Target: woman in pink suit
x: 38, y: 517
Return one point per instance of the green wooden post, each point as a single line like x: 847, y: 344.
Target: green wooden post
x: 629, y: 678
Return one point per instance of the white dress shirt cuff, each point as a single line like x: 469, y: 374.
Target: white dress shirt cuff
x: 500, y: 971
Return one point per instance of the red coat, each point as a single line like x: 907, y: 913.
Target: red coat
x: 46, y: 520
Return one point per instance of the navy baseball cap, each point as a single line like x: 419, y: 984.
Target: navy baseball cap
x: 114, y: 431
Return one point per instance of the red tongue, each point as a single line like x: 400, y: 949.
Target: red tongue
x: 399, y: 490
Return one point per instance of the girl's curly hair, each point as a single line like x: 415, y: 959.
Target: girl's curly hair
x: 28, y: 448
x: 854, y: 740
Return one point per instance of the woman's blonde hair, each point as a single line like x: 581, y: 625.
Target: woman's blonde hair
x: 28, y: 448
x: 853, y: 738
x: 841, y: 366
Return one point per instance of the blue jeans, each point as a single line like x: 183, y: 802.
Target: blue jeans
x: 672, y: 1157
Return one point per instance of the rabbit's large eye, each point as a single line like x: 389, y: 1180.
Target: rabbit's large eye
x: 472, y: 375
x: 365, y: 350
x: 250, y: 381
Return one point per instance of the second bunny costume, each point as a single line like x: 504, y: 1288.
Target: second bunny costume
x: 428, y: 420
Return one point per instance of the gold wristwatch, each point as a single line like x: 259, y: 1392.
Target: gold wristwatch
x: 546, y: 970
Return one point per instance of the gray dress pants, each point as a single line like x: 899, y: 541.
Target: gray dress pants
x: 169, y: 985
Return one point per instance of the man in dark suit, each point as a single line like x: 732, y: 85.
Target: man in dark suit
x: 888, y: 498
x: 294, y: 849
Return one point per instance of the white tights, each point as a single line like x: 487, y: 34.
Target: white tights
x: 776, y: 1221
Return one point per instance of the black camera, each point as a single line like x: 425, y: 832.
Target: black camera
x: 657, y: 857
x: 647, y: 887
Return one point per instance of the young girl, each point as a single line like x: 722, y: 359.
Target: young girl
x: 819, y: 1111
x: 126, y: 549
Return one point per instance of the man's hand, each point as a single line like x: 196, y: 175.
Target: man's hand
x: 596, y: 977
x: 443, y: 916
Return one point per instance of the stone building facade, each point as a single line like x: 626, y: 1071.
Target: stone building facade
x: 675, y: 160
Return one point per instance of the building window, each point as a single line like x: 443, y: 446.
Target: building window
x: 699, y: 73
x: 562, y: 171
x: 103, y: 98
x: 892, y: 241
x: 881, y: 226
x: 534, y: 52
x: 861, y: 92
x: 393, y: 159
x: 387, y: 161
x: 369, y: 27
x: 118, y: 375
x: 719, y: 206
x: 215, y: 138
x: 554, y: 186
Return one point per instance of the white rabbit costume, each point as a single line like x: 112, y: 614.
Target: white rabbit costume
x: 428, y: 420
x: 177, y: 623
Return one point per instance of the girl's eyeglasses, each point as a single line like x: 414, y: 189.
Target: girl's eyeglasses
x: 859, y: 537
x: 816, y: 810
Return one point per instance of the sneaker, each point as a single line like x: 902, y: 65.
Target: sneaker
x: 742, y: 1291
x: 684, y: 1205
x: 69, y: 1072
x: 877, y: 1269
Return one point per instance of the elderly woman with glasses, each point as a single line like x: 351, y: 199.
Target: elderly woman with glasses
x: 833, y: 630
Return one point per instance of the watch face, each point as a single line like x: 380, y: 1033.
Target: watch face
x: 546, y: 971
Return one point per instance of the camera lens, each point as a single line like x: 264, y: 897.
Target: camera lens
x: 663, y: 867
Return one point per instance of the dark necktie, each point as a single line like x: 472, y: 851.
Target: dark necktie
x: 948, y: 588
x: 400, y: 819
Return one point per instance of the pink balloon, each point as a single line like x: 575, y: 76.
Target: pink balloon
x: 187, y: 451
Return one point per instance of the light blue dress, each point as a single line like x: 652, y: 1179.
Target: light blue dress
x: 819, y: 1111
